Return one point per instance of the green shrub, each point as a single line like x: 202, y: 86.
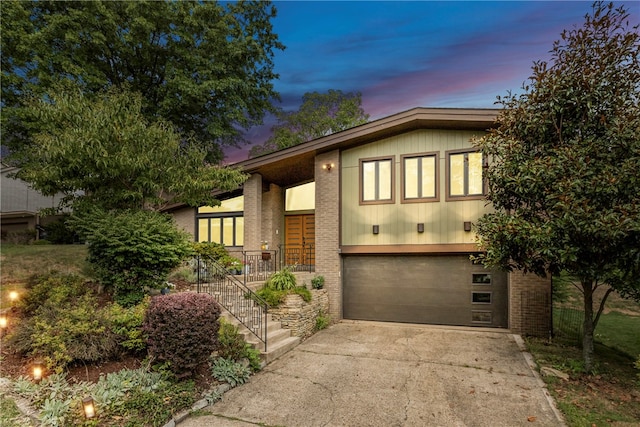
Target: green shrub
x: 303, y: 292
x: 230, y: 343
x: 52, y: 288
x: 125, y: 398
x: 637, y: 365
x: 62, y: 323
x: 271, y: 297
x: 282, y: 280
x: 230, y: 371
x: 126, y: 324
x: 317, y: 282
x: 233, y: 346
x: 322, y: 321
x: 185, y: 274
x: 133, y: 250
x: 211, y: 249
x: 60, y: 232
x: 276, y: 297
x: 182, y: 329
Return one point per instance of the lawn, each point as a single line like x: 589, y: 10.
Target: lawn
x: 611, y: 395
x: 19, y: 262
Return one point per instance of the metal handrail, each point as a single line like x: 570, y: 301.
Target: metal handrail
x: 239, y: 300
x: 298, y: 257
x: 259, y: 265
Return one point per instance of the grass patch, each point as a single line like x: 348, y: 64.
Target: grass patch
x: 619, y: 331
x: 611, y: 395
x: 19, y: 262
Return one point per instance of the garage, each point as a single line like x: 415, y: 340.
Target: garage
x: 442, y: 290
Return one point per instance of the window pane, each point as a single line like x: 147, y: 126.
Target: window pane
x: 385, y: 180
x: 230, y: 205
x: 481, y: 297
x: 227, y: 231
x: 368, y: 181
x: 240, y: 231
x: 456, y: 174
x: 215, y: 230
x: 302, y: 197
x: 411, y: 178
x: 428, y: 176
x: 475, y: 173
x: 203, y: 230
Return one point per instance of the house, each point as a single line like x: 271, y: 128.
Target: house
x: 20, y: 206
x: 385, y: 212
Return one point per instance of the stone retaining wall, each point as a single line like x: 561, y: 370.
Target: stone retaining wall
x: 300, y: 316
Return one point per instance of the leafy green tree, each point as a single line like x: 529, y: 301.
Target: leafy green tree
x: 565, y: 157
x: 103, y: 152
x: 206, y: 67
x: 320, y: 114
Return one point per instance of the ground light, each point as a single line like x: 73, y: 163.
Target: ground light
x: 13, y: 296
x: 88, y: 407
x: 37, y: 371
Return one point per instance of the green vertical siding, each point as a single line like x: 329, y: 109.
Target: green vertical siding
x: 443, y: 221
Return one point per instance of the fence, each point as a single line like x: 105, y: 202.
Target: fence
x: 567, y: 323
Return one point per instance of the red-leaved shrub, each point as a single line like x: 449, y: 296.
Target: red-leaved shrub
x: 182, y: 329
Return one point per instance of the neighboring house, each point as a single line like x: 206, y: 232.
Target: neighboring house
x: 20, y: 205
x: 387, y: 211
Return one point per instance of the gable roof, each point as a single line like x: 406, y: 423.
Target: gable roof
x: 296, y: 164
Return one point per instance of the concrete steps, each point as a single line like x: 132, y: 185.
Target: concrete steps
x: 279, y: 340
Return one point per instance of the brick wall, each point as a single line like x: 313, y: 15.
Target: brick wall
x: 529, y: 304
x: 186, y: 219
x: 327, y: 217
x: 253, y: 213
x: 273, y: 216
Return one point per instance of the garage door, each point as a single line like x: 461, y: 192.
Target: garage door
x: 444, y: 290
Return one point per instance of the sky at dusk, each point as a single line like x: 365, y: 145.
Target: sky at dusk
x: 401, y: 55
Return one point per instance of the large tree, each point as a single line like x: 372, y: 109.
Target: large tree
x: 102, y: 152
x: 203, y: 66
x: 320, y: 114
x: 565, y: 160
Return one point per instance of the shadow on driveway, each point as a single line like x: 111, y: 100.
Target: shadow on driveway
x: 388, y: 374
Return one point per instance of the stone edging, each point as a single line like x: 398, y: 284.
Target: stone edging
x: 532, y: 366
x: 200, y: 404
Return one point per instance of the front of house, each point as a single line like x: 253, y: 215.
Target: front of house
x: 384, y: 212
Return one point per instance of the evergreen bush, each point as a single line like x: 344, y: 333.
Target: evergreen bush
x: 133, y: 250
x: 182, y: 329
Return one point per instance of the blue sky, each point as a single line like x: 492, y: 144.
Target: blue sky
x: 402, y: 55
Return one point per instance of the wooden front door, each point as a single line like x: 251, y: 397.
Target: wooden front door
x: 300, y: 234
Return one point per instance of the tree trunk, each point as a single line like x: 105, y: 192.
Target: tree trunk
x: 587, y: 326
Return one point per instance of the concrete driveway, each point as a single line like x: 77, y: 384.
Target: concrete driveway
x: 388, y: 374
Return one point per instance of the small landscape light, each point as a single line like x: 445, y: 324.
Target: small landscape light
x: 88, y: 407
x: 3, y: 321
x: 38, y: 370
x: 13, y: 297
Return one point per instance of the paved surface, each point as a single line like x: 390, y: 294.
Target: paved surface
x: 384, y: 374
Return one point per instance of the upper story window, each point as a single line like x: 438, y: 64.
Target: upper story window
x: 464, y: 175
x: 420, y: 178
x: 377, y: 180
x: 300, y: 198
